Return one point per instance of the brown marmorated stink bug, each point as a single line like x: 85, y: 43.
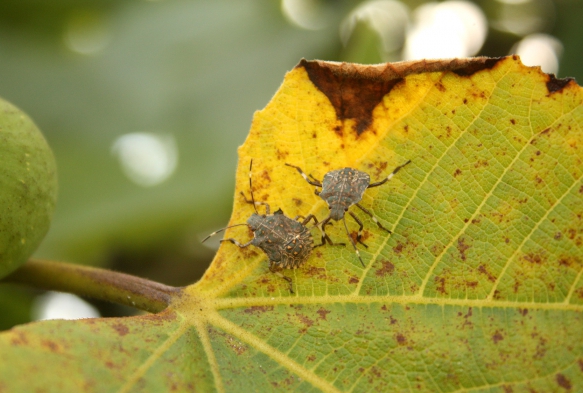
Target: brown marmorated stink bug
x: 287, y: 242
x: 341, y: 189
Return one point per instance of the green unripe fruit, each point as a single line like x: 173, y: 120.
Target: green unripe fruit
x: 28, y: 187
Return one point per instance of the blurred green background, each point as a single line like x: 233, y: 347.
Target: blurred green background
x: 145, y: 102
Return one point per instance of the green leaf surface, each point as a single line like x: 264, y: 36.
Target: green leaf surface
x: 479, y: 288
x: 28, y: 187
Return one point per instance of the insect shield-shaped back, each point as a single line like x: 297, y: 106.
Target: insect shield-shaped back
x: 341, y: 189
x: 287, y: 242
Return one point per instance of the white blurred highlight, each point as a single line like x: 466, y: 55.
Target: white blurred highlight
x: 86, y: 33
x: 147, y: 159
x: 523, y: 17
x: 57, y: 305
x: 306, y: 14
x: 448, y: 29
x: 388, y: 18
x: 540, y: 50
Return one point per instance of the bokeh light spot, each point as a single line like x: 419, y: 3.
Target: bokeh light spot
x: 523, y: 17
x: 87, y: 33
x: 448, y: 29
x: 306, y: 14
x: 57, y: 305
x: 147, y: 159
x: 540, y: 50
x: 388, y: 18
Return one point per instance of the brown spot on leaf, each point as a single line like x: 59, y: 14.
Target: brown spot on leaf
x: 580, y: 362
x: 472, y: 68
x: 305, y: 320
x: 471, y: 284
x: 507, y: 389
x: 440, y: 86
x: 311, y: 358
x: 516, y: 286
x: 353, y: 280
x: 257, y: 310
x: 497, y: 337
x: 563, y: 381
x: 398, y: 248
x: 297, y: 201
x: 323, y: 312
x: 281, y: 155
x: 533, y: 258
x: 50, y: 345
x: 317, y: 272
x: 462, y: 248
x: 513, y: 121
x: 523, y: 311
x: 440, y: 285
x: 236, y: 346
x: 19, y: 339
x: 353, y: 93
x: 541, y: 348
x: 121, y: 329
x: 401, y: 339
x: 482, y: 269
x: 555, y: 84
x: 457, y: 172
x: 568, y: 261
x: 265, y: 175
x: 387, y: 268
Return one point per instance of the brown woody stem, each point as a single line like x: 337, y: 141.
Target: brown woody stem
x: 96, y: 283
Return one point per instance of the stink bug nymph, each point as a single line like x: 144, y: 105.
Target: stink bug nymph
x: 341, y: 189
x: 287, y: 242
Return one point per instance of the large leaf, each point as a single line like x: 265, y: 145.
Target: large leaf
x: 479, y: 288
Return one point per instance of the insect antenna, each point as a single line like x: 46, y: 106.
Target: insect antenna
x: 220, y: 230
x: 251, y: 186
x: 352, y: 241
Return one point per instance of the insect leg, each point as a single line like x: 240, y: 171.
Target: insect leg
x: 235, y: 242
x: 256, y: 203
x: 359, y: 234
x: 325, y: 237
x: 314, y: 182
x: 307, y: 219
x: 289, y: 280
x: 352, y: 241
x: 397, y: 169
x: 373, y: 217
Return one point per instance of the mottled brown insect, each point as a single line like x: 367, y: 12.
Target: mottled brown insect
x: 287, y: 242
x: 341, y: 189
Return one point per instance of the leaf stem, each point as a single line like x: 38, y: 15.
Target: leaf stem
x: 96, y: 283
